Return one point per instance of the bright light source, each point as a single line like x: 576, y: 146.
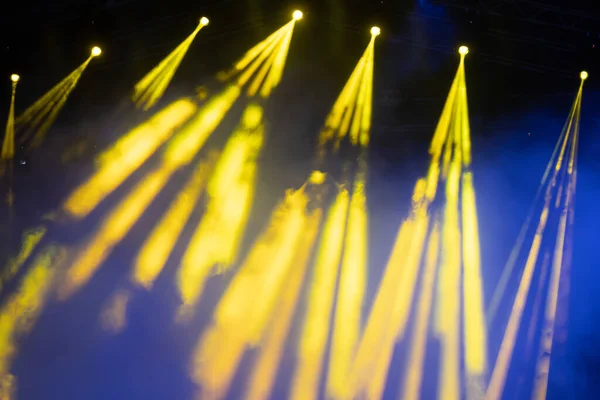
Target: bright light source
x: 297, y: 15
x: 375, y: 31
x: 204, y: 21
x: 463, y: 50
x: 583, y: 75
x: 15, y: 77
x: 96, y: 51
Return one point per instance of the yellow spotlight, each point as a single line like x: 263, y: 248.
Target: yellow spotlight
x: 463, y: 50
x: 583, y: 75
x: 297, y: 15
x: 96, y: 51
x: 375, y: 31
x: 204, y: 21
x: 15, y: 78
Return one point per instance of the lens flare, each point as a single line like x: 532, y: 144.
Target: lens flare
x: 96, y: 51
x: 375, y: 31
x: 583, y: 75
x: 297, y: 15
x: 15, y: 78
x: 463, y: 50
x: 204, y: 21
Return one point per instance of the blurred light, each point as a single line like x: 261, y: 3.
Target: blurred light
x: 96, y: 51
x: 463, y: 50
x: 15, y: 78
x: 375, y: 31
x: 204, y: 21
x: 298, y: 15
x: 584, y: 75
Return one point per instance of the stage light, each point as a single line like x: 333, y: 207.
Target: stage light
x: 15, y: 78
x: 463, y: 50
x: 96, y: 51
x: 204, y: 21
x: 297, y: 15
x: 375, y: 31
x: 583, y: 75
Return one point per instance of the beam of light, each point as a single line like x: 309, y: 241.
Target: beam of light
x: 31, y: 238
x: 315, y: 330
x: 414, y: 375
x: 128, y: 154
x: 152, y: 86
x: 230, y: 190
x: 347, y: 320
x: 276, y: 256
x: 132, y: 150
x: 352, y: 110
x: 112, y: 230
x: 39, y: 117
x: 8, y: 144
x: 264, y: 371
x: 542, y: 370
x: 448, y: 305
x: 160, y: 243
x: 500, y: 371
x: 20, y: 311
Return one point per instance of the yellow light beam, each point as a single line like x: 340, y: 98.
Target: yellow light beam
x: 347, y: 319
x: 20, y: 311
x: 265, y: 368
x: 31, y: 238
x: 500, y: 371
x: 414, y: 374
x: 313, y: 339
x: 8, y: 144
x: 542, y: 370
x: 127, y: 155
x: 239, y: 323
x: 160, y: 243
x: 114, y: 228
x: 216, y: 239
x: 152, y: 86
x: 39, y: 117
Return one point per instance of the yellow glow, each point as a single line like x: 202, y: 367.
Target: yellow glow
x: 15, y: 78
x: 375, y: 31
x: 313, y: 338
x: 583, y: 75
x: 39, y: 117
x: 239, y: 323
x: 474, y: 321
x: 8, y: 143
x: 297, y: 15
x: 112, y: 231
x: 463, y: 50
x: 96, y: 51
x: 149, y: 90
x: 231, y: 191
x: 317, y: 177
x: 347, y: 320
x: 264, y: 371
x: 20, y: 311
x: 161, y: 241
x: 127, y: 155
x: 31, y: 238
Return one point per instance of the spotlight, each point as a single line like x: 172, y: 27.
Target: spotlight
x: 204, y: 21
x: 297, y: 15
x: 96, y: 51
x: 463, y: 50
x: 375, y: 31
x: 15, y: 78
x: 583, y: 75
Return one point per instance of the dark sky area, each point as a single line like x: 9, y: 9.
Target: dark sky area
x: 522, y: 77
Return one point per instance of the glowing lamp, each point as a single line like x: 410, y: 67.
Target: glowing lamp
x: 375, y: 31
x: 463, y: 50
x: 96, y: 51
x: 204, y: 21
x: 583, y: 75
x: 15, y: 78
x: 297, y: 15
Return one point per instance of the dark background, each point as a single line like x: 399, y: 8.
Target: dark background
x: 522, y: 76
